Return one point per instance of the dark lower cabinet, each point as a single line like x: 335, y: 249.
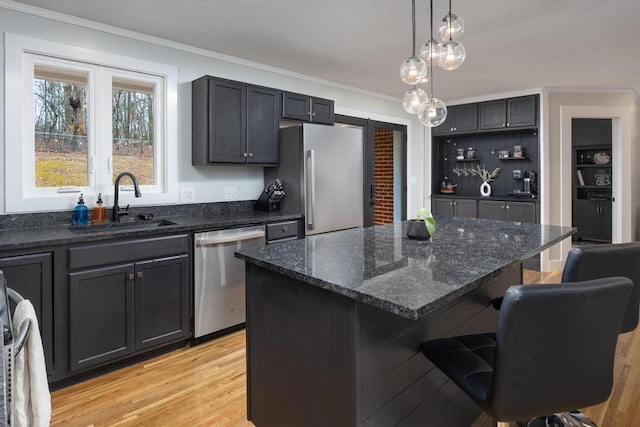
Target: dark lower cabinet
x: 126, y: 297
x: 450, y: 207
x: 508, y: 211
x: 100, y: 316
x: 31, y: 275
x: 593, y: 219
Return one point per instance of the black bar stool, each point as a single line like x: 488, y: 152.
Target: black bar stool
x: 553, y: 350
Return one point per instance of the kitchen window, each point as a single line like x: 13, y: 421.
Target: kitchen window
x: 76, y: 118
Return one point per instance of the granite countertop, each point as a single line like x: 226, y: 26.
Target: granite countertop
x: 39, y: 230
x: 381, y: 267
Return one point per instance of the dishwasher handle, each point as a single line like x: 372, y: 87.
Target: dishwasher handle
x: 216, y: 240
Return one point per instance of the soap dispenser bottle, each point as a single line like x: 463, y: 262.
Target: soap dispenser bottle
x: 99, y: 212
x: 80, y: 215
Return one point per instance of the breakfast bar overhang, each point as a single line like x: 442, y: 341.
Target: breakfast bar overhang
x: 335, y: 321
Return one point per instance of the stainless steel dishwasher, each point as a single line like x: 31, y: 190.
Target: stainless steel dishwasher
x: 219, y: 278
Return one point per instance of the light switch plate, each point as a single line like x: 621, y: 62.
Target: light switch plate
x: 230, y: 193
x: 187, y: 195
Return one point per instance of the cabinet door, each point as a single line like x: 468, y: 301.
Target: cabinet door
x: 100, y: 316
x: 465, y: 208
x: 491, y: 209
x: 465, y: 118
x: 606, y: 212
x: 162, y: 308
x: 296, y: 106
x: 446, y: 126
x: 588, y: 219
x: 32, y: 277
x: 521, y: 212
x: 227, y: 122
x: 263, y: 117
x: 322, y: 111
x: 442, y: 207
x: 522, y: 112
x: 493, y: 114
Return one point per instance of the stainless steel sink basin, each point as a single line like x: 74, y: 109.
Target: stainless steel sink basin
x: 114, y: 226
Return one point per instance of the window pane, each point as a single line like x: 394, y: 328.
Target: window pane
x: 133, y: 139
x: 60, y: 124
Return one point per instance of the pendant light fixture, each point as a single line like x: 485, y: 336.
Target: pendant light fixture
x: 452, y: 53
x: 434, y: 111
x: 413, y: 70
x: 449, y: 55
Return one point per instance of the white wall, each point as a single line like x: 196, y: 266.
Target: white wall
x: 209, y: 181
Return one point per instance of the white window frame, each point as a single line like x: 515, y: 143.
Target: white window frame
x: 20, y: 194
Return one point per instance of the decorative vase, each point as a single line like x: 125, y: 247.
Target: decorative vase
x: 417, y: 230
x: 485, y: 189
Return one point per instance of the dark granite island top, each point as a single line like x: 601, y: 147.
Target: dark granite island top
x: 335, y: 321
x: 379, y: 266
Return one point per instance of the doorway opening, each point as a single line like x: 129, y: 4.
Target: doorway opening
x: 591, y: 143
x: 385, y: 170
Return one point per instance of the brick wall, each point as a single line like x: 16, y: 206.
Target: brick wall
x: 383, y: 176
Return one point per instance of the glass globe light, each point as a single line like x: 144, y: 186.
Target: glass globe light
x: 430, y: 50
x: 414, y: 99
x: 451, y: 28
x: 452, y: 55
x: 413, y: 70
x: 434, y: 113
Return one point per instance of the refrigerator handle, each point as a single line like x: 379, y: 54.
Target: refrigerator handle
x: 311, y: 199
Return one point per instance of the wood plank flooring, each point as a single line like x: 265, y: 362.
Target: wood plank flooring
x: 205, y: 385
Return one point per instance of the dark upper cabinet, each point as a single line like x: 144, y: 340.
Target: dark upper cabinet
x: 509, y: 113
x: 307, y: 108
x: 234, y: 123
x: 460, y: 118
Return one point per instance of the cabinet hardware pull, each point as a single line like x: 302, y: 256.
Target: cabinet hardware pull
x: 507, y: 206
x: 284, y: 229
x: 131, y: 276
x: 250, y: 154
x: 139, y: 274
x: 244, y: 154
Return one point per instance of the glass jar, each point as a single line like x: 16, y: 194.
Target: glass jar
x: 471, y: 153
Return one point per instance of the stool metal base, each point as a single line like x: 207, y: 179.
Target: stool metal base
x: 562, y: 419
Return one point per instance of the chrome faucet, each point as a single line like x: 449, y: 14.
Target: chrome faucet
x: 117, y: 212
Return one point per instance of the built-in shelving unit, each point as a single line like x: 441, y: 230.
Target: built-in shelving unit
x: 592, y: 192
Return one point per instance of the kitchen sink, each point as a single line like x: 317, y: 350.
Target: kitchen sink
x: 113, y: 226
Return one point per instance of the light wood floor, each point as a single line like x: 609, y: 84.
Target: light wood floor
x: 205, y: 385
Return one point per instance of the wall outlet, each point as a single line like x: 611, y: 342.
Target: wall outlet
x: 187, y: 195
x: 230, y: 193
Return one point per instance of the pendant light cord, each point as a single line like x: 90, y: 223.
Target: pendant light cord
x: 449, y: 19
x: 413, y: 27
x: 431, y: 50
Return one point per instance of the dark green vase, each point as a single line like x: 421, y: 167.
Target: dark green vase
x: 417, y: 230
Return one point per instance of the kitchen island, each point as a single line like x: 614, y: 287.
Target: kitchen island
x: 335, y: 321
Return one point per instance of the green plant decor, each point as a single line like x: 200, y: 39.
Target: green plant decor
x: 429, y: 220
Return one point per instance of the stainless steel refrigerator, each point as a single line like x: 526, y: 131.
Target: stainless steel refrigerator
x: 321, y: 170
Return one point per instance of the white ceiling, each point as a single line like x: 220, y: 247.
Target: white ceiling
x: 511, y: 45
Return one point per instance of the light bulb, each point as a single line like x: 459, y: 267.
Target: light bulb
x: 452, y: 55
x: 434, y: 113
x: 413, y: 70
x: 451, y: 28
x: 413, y: 100
x: 429, y: 50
